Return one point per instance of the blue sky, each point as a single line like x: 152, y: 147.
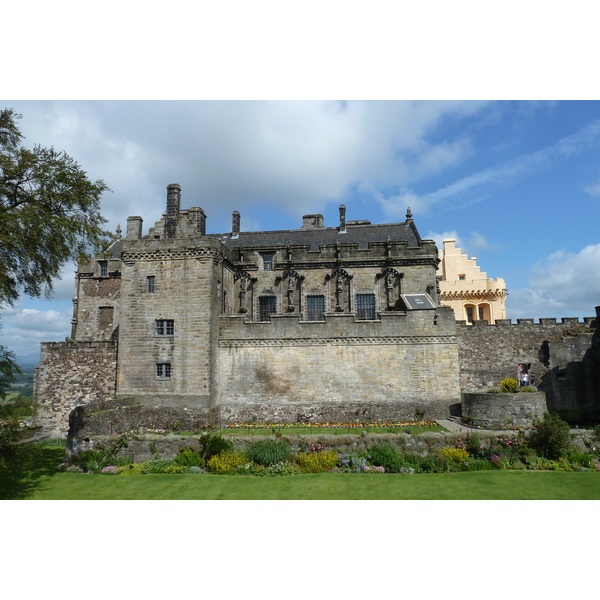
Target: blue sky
x: 517, y: 183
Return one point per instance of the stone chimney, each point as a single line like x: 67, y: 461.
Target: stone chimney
x: 235, y: 224
x: 173, y: 206
x: 342, y: 218
x: 312, y: 222
x: 134, y: 228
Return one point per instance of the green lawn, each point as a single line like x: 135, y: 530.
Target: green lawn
x: 34, y: 478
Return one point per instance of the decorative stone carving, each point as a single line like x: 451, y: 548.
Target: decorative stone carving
x: 293, y: 280
x: 340, y: 276
x: 391, y: 276
x: 245, y: 280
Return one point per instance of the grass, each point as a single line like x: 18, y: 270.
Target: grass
x: 33, y: 477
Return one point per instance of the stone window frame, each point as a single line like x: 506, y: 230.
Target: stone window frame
x: 308, y: 310
x: 164, y: 327
x: 103, y: 268
x: 268, y: 260
x: 263, y: 315
x: 163, y: 370
x: 150, y: 284
x: 370, y: 317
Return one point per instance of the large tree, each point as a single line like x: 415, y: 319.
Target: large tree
x: 49, y: 215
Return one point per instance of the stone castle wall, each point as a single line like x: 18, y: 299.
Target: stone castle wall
x: 71, y: 375
x: 563, y: 358
x: 340, y: 368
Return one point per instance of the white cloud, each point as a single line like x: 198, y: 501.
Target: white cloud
x: 481, y: 185
x: 297, y: 156
x: 471, y: 245
x: 593, y: 190
x: 24, y: 328
x: 563, y: 285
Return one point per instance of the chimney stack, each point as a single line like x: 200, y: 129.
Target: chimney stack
x: 173, y: 206
x: 235, y: 224
x: 342, y: 218
x: 134, y: 228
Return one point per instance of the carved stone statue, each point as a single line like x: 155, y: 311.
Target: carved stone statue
x: 291, y: 289
x: 339, y: 293
x: 390, y: 279
x: 243, y: 308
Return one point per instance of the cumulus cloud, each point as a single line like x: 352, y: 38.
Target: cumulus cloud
x: 470, y: 245
x: 562, y: 285
x: 23, y: 329
x: 295, y: 156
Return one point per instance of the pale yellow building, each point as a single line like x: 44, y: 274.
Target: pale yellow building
x: 463, y: 286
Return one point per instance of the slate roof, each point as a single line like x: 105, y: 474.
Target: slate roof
x: 355, y: 234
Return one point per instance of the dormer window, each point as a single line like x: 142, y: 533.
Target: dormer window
x: 103, y: 268
x: 268, y: 259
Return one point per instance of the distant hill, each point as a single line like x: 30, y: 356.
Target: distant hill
x: 29, y: 362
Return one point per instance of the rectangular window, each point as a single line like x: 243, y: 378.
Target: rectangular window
x: 163, y: 370
x: 103, y: 268
x: 165, y: 327
x: 150, y: 284
x: 462, y: 277
x: 268, y: 261
x: 469, y: 310
x: 315, y: 308
x: 365, y: 306
x: 266, y: 306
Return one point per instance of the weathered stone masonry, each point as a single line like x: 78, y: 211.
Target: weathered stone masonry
x: 320, y: 323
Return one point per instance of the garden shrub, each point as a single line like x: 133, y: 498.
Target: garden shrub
x: 157, y: 466
x: 195, y: 470
x: 188, y: 457
x: 131, y: 469
x: 268, y: 452
x: 434, y: 464
x: 227, y: 463
x: 459, y: 455
x: 353, y: 462
x: 175, y: 469
x: 509, y: 385
x: 552, y: 437
x: 110, y: 470
x: 386, y: 456
x: 211, y: 444
x: 581, y: 459
x: 317, y: 462
x: 281, y: 468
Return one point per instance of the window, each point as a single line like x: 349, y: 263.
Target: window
x: 469, y: 310
x: 268, y: 261
x: 163, y: 370
x: 315, y: 308
x: 266, y: 306
x: 462, y: 277
x: 103, y: 268
x: 365, y: 306
x: 165, y: 327
x: 480, y: 310
x: 150, y: 284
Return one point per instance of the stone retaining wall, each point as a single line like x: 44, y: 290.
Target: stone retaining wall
x: 520, y: 408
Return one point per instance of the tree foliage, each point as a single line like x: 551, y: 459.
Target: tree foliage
x: 49, y: 213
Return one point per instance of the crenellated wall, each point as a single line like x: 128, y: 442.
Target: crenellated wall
x: 563, y: 357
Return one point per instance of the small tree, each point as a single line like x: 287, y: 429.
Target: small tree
x: 552, y: 437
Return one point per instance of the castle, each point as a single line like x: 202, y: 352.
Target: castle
x: 316, y: 323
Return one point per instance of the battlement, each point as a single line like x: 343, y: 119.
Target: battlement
x: 591, y: 321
